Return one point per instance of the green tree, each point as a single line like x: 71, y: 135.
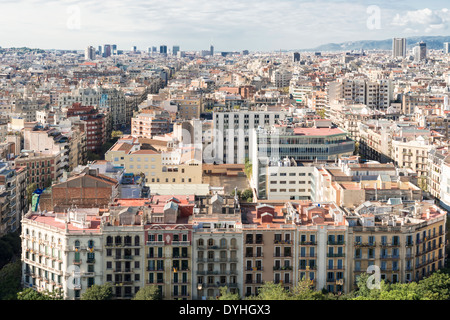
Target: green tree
x: 435, y: 287
x: 272, y: 291
x: 363, y: 292
x: 150, y: 292
x: 226, y: 295
x: 10, y: 247
x: 91, y: 156
x: 10, y: 284
x: 30, y: 189
x: 356, y: 151
x: 116, y: 134
x: 321, y: 113
x: 98, y: 292
x: 247, y: 195
x: 31, y: 294
x: 248, y: 168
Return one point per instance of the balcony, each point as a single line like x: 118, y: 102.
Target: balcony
x: 335, y: 267
x: 388, y: 256
x: 280, y: 268
x: 365, y: 244
x: 386, y: 244
x: 307, y: 243
x: 335, y: 255
x: 308, y: 256
x: 155, y: 243
x: 307, y: 267
x: 154, y: 256
x: 155, y: 268
x: 181, y: 243
x: 282, y: 241
x: 335, y: 243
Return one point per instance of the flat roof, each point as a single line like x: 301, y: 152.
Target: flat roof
x: 317, y: 131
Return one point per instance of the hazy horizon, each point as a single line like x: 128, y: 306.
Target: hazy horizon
x: 230, y: 26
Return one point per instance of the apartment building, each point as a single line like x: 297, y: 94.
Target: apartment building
x: 285, y: 179
x: 191, y: 247
x: 11, y: 203
x: 269, y: 248
x: 375, y: 94
x: 281, y: 78
x: 169, y: 258
x: 296, y: 240
x: 411, y: 100
x: 110, y: 99
x: 189, y: 107
x: 233, y: 134
x: 437, y: 158
x: 218, y: 246
x: 62, y: 251
x: 48, y: 141
x: 350, y: 183
x: 77, y: 145
x: 405, y: 240
x: 375, y: 140
x: 96, y: 131
x: 42, y: 168
x: 414, y: 155
x: 180, y: 166
x: 148, y: 124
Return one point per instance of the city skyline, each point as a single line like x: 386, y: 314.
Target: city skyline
x: 196, y: 24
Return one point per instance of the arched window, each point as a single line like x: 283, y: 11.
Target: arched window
x: 77, y: 244
x: 223, y: 243
x: 210, y: 242
x: 136, y: 240
x: 233, y: 243
x: 91, y: 243
x: 109, y: 240
x: 164, y: 169
x: 118, y: 240
x: 200, y: 243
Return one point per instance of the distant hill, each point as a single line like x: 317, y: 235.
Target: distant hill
x: 433, y: 42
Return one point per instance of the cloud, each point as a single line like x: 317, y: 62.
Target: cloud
x: 195, y: 24
x: 423, y: 19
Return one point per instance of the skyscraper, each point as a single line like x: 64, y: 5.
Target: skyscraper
x: 134, y: 48
x: 296, y: 56
x: 100, y: 50
x: 211, y: 49
x: 420, y: 51
x: 114, y: 49
x: 163, y: 49
x: 89, y: 53
x: 399, y: 47
x: 175, y: 50
x: 107, y: 50
x: 447, y: 47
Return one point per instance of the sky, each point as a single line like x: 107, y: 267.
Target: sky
x: 229, y: 25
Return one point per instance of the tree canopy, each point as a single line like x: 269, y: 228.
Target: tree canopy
x: 98, y: 292
x: 150, y: 292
